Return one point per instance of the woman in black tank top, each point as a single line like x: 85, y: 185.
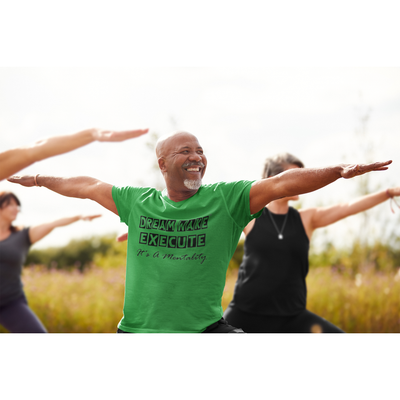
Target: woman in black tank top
x: 270, y: 293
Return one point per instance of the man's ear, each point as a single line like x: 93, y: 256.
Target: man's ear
x: 161, y: 164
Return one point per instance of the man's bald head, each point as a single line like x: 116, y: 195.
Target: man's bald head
x: 182, y: 162
x: 164, y: 143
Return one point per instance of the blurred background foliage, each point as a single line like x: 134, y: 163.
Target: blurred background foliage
x: 78, y: 254
x: 106, y: 252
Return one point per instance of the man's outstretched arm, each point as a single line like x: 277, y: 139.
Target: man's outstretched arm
x: 304, y: 180
x: 13, y: 160
x: 81, y: 187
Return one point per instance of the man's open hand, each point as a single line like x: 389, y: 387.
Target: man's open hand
x: 117, y: 136
x: 24, y: 180
x: 352, y: 170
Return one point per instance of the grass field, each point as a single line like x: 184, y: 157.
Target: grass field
x: 70, y: 301
x: 368, y: 302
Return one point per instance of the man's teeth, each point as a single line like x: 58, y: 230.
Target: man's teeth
x: 193, y: 169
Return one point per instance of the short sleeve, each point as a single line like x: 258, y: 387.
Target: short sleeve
x: 26, y: 238
x: 237, y: 200
x: 124, y: 199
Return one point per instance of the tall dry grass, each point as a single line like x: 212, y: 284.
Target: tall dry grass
x: 71, y: 301
x: 368, y: 302
x: 92, y: 301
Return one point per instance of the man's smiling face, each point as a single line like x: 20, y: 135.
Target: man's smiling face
x: 182, y: 161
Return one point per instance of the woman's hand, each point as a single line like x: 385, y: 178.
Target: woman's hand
x: 393, y: 192
x: 103, y: 135
x: 90, y: 217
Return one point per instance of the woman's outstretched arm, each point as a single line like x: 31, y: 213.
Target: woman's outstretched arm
x: 13, y: 160
x: 319, y: 217
x: 38, y: 232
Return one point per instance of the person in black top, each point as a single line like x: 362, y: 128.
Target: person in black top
x: 270, y: 294
x: 15, y: 315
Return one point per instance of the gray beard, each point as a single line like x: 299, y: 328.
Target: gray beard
x: 192, y: 184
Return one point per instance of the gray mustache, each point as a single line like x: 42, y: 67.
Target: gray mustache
x: 199, y: 164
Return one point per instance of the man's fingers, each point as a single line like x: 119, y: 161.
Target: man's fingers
x: 25, y: 180
x: 364, y: 169
x: 377, y: 166
x: 15, y: 178
x: 351, y: 171
x: 388, y: 162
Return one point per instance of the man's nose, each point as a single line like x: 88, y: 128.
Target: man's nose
x: 195, y: 157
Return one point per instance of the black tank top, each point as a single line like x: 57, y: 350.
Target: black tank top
x: 272, y: 275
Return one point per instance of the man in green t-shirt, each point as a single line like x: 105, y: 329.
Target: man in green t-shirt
x: 180, y: 240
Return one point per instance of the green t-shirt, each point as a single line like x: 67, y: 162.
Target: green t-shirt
x: 178, y: 254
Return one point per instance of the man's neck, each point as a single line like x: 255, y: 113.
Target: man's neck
x: 177, y: 196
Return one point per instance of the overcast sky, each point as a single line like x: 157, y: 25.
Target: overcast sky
x: 240, y: 116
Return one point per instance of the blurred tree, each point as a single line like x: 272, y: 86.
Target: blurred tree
x: 78, y: 254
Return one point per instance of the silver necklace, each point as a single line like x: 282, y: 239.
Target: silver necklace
x: 280, y: 232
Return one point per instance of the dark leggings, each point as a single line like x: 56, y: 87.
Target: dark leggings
x: 220, y: 326
x: 17, y: 317
x: 304, y: 322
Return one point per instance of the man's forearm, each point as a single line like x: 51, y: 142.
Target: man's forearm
x: 304, y: 180
x: 81, y: 187
x: 78, y: 186
x: 291, y: 182
x: 297, y: 181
